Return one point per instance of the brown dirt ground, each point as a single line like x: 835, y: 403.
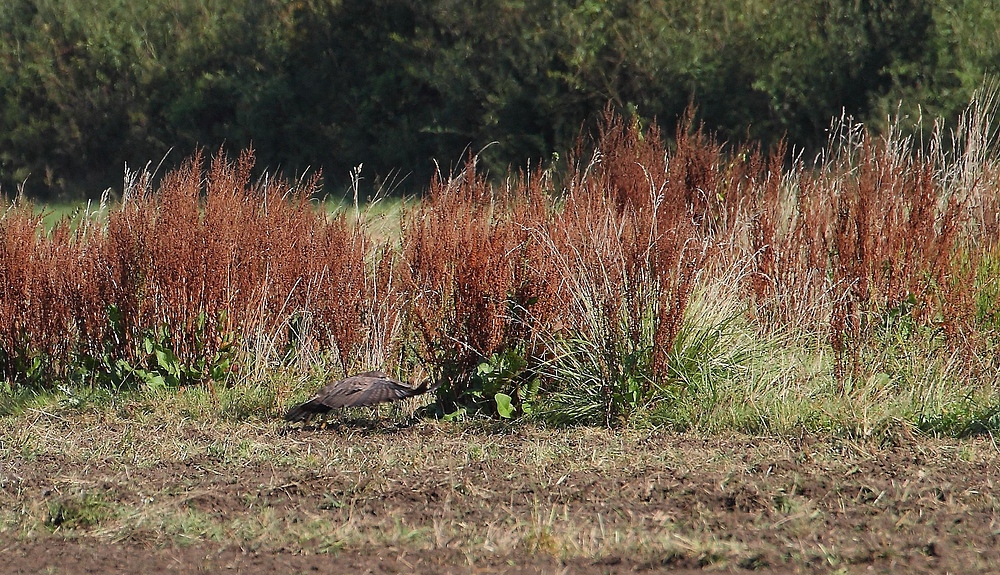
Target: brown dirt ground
x: 440, y: 498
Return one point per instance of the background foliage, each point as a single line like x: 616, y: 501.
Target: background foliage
x: 88, y: 85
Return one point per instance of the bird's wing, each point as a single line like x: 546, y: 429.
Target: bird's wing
x: 364, y: 389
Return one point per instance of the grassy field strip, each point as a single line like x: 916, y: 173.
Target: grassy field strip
x: 583, y: 494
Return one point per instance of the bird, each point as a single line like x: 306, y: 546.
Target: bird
x: 367, y: 388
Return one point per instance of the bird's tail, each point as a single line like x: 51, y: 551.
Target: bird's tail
x: 301, y: 412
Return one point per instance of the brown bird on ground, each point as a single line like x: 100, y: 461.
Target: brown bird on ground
x: 367, y: 388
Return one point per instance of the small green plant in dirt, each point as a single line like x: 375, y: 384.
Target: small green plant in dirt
x: 77, y: 511
x: 16, y: 399
x: 506, y: 384
x: 964, y: 417
x: 157, y: 365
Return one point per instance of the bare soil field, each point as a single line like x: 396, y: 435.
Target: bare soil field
x: 123, y: 491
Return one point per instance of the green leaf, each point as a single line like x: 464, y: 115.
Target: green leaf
x: 457, y: 415
x: 504, y: 408
x: 115, y: 317
x: 164, y: 360
x: 154, y: 381
x: 220, y: 369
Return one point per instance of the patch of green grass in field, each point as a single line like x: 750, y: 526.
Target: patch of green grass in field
x: 13, y: 401
x: 792, y: 390
x: 727, y: 376
x: 382, y: 216
x: 54, y: 213
x: 78, y: 511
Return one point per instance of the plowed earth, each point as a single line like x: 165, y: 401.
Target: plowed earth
x: 95, y: 493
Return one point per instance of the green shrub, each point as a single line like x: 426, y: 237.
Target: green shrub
x: 88, y: 85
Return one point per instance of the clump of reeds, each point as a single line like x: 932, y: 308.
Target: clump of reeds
x: 29, y: 325
x: 874, y: 236
x: 585, y: 285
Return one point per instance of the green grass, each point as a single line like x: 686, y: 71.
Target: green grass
x: 54, y: 213
x: 78, y: 511
x: 382, y: 215
x: 727, y: 376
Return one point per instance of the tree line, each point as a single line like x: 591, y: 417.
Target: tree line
x: 406, y: 87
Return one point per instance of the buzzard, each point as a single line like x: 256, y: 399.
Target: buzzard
x: 366, y: 388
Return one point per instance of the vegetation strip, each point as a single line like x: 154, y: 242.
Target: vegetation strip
x: 687, y: 288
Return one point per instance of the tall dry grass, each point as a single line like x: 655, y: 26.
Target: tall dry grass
x: 209, y: 263
x: 566, y: 293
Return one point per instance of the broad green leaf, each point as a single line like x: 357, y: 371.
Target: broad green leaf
x: 154, y: 380
x: 504, y: 408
